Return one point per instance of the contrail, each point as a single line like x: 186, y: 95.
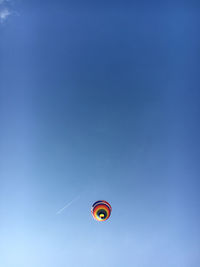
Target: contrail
x: 69, y: 204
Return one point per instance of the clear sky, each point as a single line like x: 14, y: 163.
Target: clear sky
x: 99, y: 100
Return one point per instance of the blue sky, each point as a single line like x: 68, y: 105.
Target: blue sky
x: 99, y: 100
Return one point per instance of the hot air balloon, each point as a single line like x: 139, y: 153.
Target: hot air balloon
x: 101, y: 210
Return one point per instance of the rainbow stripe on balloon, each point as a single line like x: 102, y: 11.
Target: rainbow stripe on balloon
x: 101, y: 210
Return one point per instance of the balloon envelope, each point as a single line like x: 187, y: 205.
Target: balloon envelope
x: 101, y: 210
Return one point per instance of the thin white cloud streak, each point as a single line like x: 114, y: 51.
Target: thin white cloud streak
x: 5, y: 10
x: 4, y: 13
x: 68, y: 205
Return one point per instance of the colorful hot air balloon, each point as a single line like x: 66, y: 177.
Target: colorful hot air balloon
x: 101, y: 210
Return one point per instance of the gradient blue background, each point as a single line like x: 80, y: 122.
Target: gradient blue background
x: 100, y: 100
